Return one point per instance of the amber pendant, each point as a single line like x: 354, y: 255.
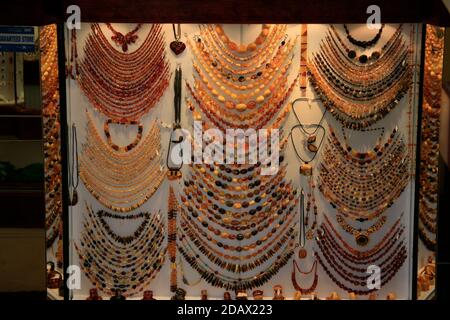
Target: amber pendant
x: 302, y: 253
x: 312, y: 147
x: 174, y: 174
x: 311, y: 139
x: 74, y: 199
x: 362, y: 239
x: 177, y: 47
x: 306, y: 169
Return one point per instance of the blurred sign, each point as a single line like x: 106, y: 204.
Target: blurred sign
x: 16, y: 39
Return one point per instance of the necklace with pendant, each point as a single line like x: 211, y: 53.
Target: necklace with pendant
x: 177, y: 46
x: 124, y: 40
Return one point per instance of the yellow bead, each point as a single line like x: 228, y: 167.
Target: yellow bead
x: 260, y: 99
x: 241, y: 106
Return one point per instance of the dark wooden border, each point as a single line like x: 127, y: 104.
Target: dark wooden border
x: 41, y: 12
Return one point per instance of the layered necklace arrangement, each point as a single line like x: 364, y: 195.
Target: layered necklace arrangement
x: 362, y: 185
x: 234, y: 226
x: 122, y: 179
x: 113, y: 262
x: 233, y: 220
x: 429, y: 154
x: 241, y: 89
x: 360, y: 92
x: 124, y: 86
x: 347, y: 266
x: 51, y: 124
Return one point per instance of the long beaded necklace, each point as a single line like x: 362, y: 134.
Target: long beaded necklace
x: 124, y: 85
x: 51, y: 134
x: 172, y: 238
x: 434, y: 50
x: 121, y: 180
x: 242, y: 49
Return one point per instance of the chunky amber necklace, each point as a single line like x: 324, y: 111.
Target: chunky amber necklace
x: 124, y: 85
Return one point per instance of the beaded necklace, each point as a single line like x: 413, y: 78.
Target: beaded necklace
x: 339, y: 262
x: 359, y: 96
x: 121, y: 180
x: 124, y: 85
x: 51, y: 134
x: 377, y: 178
x: 429, y: 149
x: 128, y: 266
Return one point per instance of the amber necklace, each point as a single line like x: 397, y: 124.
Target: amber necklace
x: 124, y: 40
x: 121, y: 180
x: 375, y: 184
x: 297, y: 287
x: 124, y: 85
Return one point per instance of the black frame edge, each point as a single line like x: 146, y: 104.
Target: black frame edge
x: 64, y: 152
x: 417, y: 177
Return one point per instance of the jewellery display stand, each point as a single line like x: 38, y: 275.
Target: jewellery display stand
x: 81, y: 113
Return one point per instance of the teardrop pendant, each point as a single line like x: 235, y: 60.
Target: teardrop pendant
x: 74, y: 200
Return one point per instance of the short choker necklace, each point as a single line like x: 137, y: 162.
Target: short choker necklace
x: 363, y: 43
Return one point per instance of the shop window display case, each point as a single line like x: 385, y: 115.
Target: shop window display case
x: 349, y: 211
x: 346, y: 100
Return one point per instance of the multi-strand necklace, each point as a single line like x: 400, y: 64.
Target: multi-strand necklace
x: 362, y: 185
x: 358, y: 94
x: 236, y: 93
x: 121, y: 180
x: 429, y: 153
x: 124, y: 86
x: 113, y: 262
x: 347, y: 267
x: 232, y: 220
x: 50, y: 113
